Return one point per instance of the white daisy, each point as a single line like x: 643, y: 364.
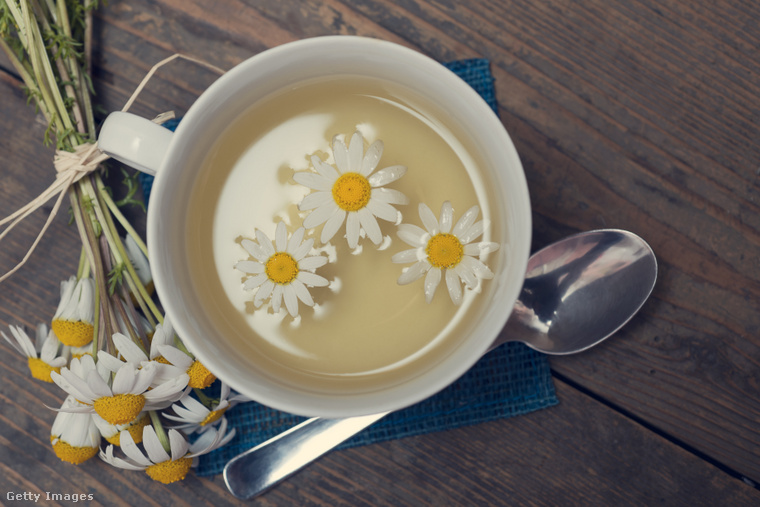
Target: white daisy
x: 122, y: 399
x: 282, y: 270
x: 195, y: 416
x: 156, y: 461
x: 442, y: 251
x: 74, y: 436
x: 73, y: 320
x: 46, y: 356
x: 351, y: 193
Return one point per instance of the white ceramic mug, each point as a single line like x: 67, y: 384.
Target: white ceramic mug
x: 174, y: 158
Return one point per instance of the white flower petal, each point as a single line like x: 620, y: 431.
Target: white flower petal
x: 389, y: 195
x: 295, y: 240
x: 125, y: 379
x: 315, y: 200
x: 413, y: 235
x: 112, y: 460
x: 98, y: 387
x: 313, y: 262
x: 477, y: 267
x: 313, y: 181
x: 265, y: 243
x: 302, y: 292
x: 429, y: 221
x: 255, y: 250
x: 473, y: 232
x: 250, y: 267
x: 467, y: 275
x: 300, y: 252
x: 414, y: 272
x: 264, y: 292
x: 281, y: 237
x: 340, y: 154
x: 465, y: 221
x: 25, y: 345
x: 371, y: 158
x: 153, y: 448
x: 277, y: 298
x: 482, y: 248
x: 321, y: 215
x: 355, y: 151
x: 111, y: 363
x: 255, y: 281
x: 326, y: 170
x: 50, y: 348
x: 178, y: 445
x: 370, y: 226
x: 447, y: 217
x: 407, y: 256
x: 291, y: 300
x: 432, y: 279
x: 312, y: 279
x: 352, y: 229
x: 176, y: 357
x: 333, y: 224
x: 133, y: 452
x: 386, y: 175
x: 454, y: 286
x: 128, y: 349
x: 383, y: 210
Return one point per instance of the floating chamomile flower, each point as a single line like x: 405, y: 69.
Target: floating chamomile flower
x: 74, y: 436
x: 351, y: 193
x: 282, y: 270
x: 196, y: 417
x: 43, y: 358
x: 73, y: 320
x: 442, y: 251
x: 156, y: 461
x: 117, y: 398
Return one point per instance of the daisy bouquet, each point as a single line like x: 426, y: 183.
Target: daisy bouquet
x: 134, y: 394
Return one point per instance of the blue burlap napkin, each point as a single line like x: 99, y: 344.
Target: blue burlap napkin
x: 510, y: 381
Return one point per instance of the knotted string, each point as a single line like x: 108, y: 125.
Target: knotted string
x: 71, y: 167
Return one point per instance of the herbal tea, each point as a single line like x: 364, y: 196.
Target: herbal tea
x: 318, y: 235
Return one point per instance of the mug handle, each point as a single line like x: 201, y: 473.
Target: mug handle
x: 135, y: 141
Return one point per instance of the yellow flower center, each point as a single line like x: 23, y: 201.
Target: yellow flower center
x: 135, y: 430
x: 213, y: 416
x: 119, y: 408
x: 69, y: 453
x: 161, y: 359
x: 444, y: 250
x: 281, y: 268
x: 351, y: 191
x: 73, y: 334
x: 41, y: 370
x: 200, y: 377
x: 167, y: 472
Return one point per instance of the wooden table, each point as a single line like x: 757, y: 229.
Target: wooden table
x: 636, y: 114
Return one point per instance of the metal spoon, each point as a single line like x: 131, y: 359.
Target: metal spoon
x: 577, y: 292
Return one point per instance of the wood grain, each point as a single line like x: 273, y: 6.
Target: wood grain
x: 636, y: 114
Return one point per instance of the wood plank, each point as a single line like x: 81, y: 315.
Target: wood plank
x: 632, y: 114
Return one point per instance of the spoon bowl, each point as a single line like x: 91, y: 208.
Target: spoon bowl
x: 581, y: 290
x: 577, y: 292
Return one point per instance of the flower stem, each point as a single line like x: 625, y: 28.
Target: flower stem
x: 160, y: 432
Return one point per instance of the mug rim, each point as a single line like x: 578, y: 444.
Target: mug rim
x: 392, y: 398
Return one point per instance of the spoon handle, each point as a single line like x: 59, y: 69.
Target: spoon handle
x: 258, y: 469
